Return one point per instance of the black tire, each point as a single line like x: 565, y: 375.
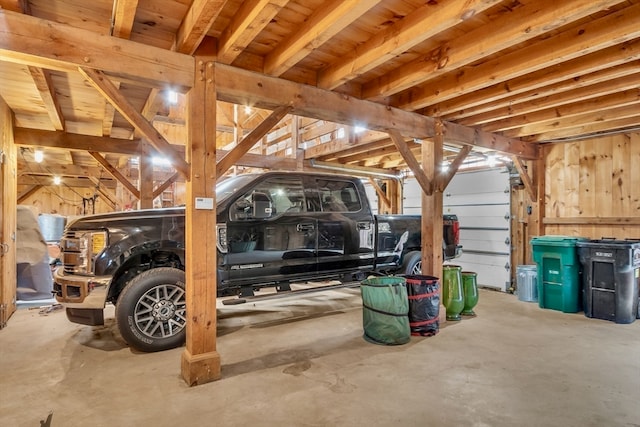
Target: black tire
x: 412, y: 263
x: 150, y: 311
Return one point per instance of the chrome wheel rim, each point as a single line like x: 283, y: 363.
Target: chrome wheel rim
x: 160, y: 312
x: 417, y: 269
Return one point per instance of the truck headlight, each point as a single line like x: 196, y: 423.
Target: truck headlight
x: 221, y: 231
x: 90, y: 244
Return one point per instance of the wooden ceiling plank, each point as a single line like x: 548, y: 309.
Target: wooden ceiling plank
x: 123, y: 17
x: 250, y: 140
x: 590, y: 69
x: 103, y: 85
x: 427, y: 21
x: 595, y: 35
x: 32, y: 41
x: 620, y: 78
x: 42, y: 79
x: 322, y: 25
x: 250, y: 19
x: 116, y: 174
x: 510, y: 29
x: 425, y: 183
x: 196, y: 24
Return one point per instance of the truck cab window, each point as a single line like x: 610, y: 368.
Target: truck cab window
x: 339, y: 196
x: 270, y: 198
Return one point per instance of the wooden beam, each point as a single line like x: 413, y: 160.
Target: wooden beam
x: 103, y: 85
x: 116, y: 174
x: 445, y: 178
x: 250, y: 140
x: 422, y: 24
x: 145, y: 183
x: 67, y: 182
x: 432, y: 207
x: 42, y: 79
x: 594, y: 35
x: 511, y: 27
x: 75, y: 142
x: 68, y: 170
x: 123, y: 17
x: 380, y: 192
x: 200, y: 359
x: 323, y: 24
x: 111, y: 199
x: 158, y: 191
x: 425, y: 183
x: 38, y: 42
x: 248, y: 88
x: 30, y: 191
x: 589, y: 130
x: 526, y: 179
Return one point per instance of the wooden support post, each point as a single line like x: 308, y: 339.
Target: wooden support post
x: 432, y: 205
x: 540, y: 183
x: 145, y: 183
x: 8, y: 215
x: 200, y: 359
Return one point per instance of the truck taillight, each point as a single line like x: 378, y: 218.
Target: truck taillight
x: 456, y: 232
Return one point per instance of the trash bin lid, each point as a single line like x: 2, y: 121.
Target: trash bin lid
x: 565, y: 241
x: 610, y: 244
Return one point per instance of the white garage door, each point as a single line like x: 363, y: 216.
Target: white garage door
x: 481, y: 200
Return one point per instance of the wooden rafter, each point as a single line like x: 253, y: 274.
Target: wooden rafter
x: 380, y: 192
x: 583, y: 71
x: 248, y: 22
x: 110, y: 198
x: 160, y: 189
x: 196, y: 24
x: 98, y: 80
x: 515, y: 26
x: 595, y: 35
x: 526, y: 178
x: 326, y: 22
x: 429, y: 20
x: 122, y: 19
x: 30, y: 191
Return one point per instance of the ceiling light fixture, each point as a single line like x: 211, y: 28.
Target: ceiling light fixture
x: 57, y: 180
x: 38, y: 156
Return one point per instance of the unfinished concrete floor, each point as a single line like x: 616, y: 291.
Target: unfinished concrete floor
x: 303, y: 362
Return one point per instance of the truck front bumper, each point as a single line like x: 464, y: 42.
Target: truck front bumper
x: 85, y: 292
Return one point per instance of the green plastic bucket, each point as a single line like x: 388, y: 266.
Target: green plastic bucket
x: 385, y: 310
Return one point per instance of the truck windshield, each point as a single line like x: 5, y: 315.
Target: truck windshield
x: 230, y: 186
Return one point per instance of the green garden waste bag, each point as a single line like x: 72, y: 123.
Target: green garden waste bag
x: 385, y: 310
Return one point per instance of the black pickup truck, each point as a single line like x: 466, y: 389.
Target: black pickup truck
x: 273, y: 229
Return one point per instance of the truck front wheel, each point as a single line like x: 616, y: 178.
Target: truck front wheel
x: 412, y: 263
x: 150, y: 311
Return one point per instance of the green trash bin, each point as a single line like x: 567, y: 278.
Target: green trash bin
x: 558, y: 281
x: 385, y: 310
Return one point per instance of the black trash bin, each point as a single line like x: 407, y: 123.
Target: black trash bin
x: 611, y: 279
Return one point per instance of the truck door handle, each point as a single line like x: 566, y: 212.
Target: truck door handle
x: 304, y: 227
x: 363, y: 225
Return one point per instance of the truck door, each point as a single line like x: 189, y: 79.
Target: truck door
x: 271, y: 236
x: 345, y: 227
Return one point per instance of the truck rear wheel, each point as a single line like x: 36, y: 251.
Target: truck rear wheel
x: 412, y: 263
x: 150, y: 311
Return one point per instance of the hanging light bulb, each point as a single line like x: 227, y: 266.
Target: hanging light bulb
x: 38, y: 156
x: 247, y: 109
x: 57, y: 180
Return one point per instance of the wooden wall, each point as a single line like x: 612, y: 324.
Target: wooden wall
x: 8, y: 177
x: 64, y: 201
x: 591, y: 189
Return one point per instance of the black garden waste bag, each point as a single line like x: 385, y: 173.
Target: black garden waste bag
x: 424, y: 304
x: 384, y: 310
